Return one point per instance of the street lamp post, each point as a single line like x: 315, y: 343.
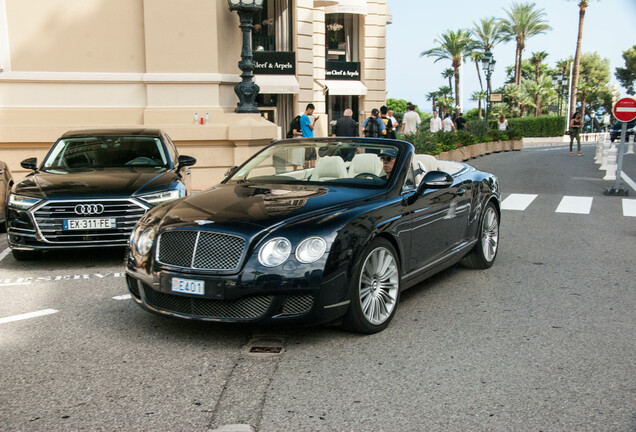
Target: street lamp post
x: 247, y: 89
x: 488, y: 65
x: 560, y: 81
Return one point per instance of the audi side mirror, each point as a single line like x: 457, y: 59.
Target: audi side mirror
x: 30, y: 163
x: 185, y: 161
x: 435, y: 180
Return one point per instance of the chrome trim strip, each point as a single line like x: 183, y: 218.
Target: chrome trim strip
x: 338, y: 304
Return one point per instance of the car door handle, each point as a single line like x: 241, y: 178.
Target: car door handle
x: 461, y: 191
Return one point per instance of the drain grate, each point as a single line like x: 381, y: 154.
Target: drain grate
x: 265, y: 350
x: 265, y: 346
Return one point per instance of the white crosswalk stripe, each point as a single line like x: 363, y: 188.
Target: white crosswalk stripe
x: 568, y: 204
x: 575, y: 205
x: 517, y: 201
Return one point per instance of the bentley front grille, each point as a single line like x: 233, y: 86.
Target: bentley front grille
x: 200, y: 249
x: 52, y: 219
x: 297, y: 304
x: 249, y: 308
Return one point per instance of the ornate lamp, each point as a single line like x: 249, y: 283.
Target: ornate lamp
x: 247, y: 89
x: 488, y: 65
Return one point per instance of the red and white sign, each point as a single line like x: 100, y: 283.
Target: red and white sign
x: 625, y: 109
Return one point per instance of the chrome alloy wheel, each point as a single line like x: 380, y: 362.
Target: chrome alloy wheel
x: 379, y: 285
x: 490, y: 234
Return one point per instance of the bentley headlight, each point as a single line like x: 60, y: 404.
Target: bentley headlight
x: 22, y: 202
x: 275, y: 252
x: 311, y: 249
x: 161, y: 197
x: 145, y: 240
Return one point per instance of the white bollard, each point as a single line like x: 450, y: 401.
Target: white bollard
x: 606, y: 148
x: 599, y: 151
x: 611, y: 165
x: 630, y: 147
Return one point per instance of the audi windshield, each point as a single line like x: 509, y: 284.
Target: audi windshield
x: 79, y: 153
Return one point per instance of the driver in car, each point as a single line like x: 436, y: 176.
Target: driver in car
x: 388, y: 160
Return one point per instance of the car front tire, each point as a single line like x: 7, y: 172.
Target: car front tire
x: 483, y: 255
x: 376, y: 289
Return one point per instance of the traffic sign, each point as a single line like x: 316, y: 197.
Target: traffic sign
x: 625, y: 109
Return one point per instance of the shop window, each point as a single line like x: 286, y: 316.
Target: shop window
x: 273, y: 27
x: 341, y: 37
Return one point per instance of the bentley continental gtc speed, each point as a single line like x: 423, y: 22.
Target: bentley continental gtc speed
x: 91, y: 189
x: 314, y: 231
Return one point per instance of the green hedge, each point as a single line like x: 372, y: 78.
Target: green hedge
x: 542, y: 126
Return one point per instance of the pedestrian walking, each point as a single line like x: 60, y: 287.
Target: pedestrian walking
x: 306, y: 126
x: 394, y: 120
x: 388, y: 131
x: 373, y: 125
x: 436, y: 123
x: 411, y: 121
x: 447, y: 124
x: 575, y: 129
x: 460, y: 123
x: 502, y: 123
x: 346, y: 126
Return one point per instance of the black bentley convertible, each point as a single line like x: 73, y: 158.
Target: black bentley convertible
x: 314, y: 231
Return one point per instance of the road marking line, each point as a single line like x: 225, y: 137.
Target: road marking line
x: 628, y: 180
x: 27, y: 316
x: 123, y: 297
x: 629, y: 207
x: 576, y: 205
x: 15, y: 283
x: 517, y: 201
x: 4, y: 253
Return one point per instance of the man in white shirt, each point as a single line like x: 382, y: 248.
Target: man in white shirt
x: 410, y: 121
x: 436, y: 123
x: 447, y: 124
x: 393, y: 119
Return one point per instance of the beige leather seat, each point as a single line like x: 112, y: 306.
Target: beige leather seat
x: 365, y: 163
x: 329, y: 168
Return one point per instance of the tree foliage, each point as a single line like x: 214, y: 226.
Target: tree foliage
x: 627, y: 75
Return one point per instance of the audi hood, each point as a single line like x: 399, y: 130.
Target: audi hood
x: 95, y: 183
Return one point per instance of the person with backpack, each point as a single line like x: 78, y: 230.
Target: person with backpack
x: 389, y: 131
x: 294, y: 128
x: 373, y: 126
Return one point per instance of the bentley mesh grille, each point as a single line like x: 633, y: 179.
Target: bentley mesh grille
x: 200, y: 249
x: 51, y: 216
x: 248, y: 308
x: 297, y: 304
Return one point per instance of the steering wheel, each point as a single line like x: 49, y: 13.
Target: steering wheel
x: 368, y: 176
x: 141, y: 160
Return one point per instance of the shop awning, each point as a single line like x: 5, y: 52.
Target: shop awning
x: 345, y: 88
x: 349, y: 7
x: 277, y: 84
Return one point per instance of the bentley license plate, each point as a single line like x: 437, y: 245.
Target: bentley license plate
x: 84, y: 224
x: 188, y: 286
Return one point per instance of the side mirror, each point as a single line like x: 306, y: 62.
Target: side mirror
x: 435, y: 180
x: 185, y: 161
x: 30, y: 163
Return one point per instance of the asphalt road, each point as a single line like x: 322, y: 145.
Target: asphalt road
x: 544, y: 340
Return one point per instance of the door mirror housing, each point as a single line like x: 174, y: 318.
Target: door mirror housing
x: 435, y: 180
x: 185, y: 161
x: 30, y: 163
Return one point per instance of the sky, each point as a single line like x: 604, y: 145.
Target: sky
x: 609, y: 29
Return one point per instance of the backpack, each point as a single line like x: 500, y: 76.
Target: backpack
x: 295, y: 124
x: 372, y: 129
x: 389, y: 126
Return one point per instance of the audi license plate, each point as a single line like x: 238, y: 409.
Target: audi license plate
x: 188, y: 286
x: 85, y: 224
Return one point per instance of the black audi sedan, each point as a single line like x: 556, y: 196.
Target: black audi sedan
x: 314, y: 231
x: 91, y: 189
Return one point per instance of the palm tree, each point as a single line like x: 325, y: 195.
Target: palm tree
x: 479, y: 96
x: 448, y: 73
x: 522, y: 23
x: 432, y: 96
x: 476, y: 56
x: 577, y: 57
x: 536, y: 60
x: 488, y: 33
x: 454, y: 46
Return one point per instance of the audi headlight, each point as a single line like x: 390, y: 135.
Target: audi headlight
x: 274, y: 252
x: 22, y: 202
x: 145, y: 240
x: 161, y: 197
x: 311, y: 249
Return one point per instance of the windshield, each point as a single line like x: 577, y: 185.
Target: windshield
x: 340, y: 162
x: 106, y: 152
